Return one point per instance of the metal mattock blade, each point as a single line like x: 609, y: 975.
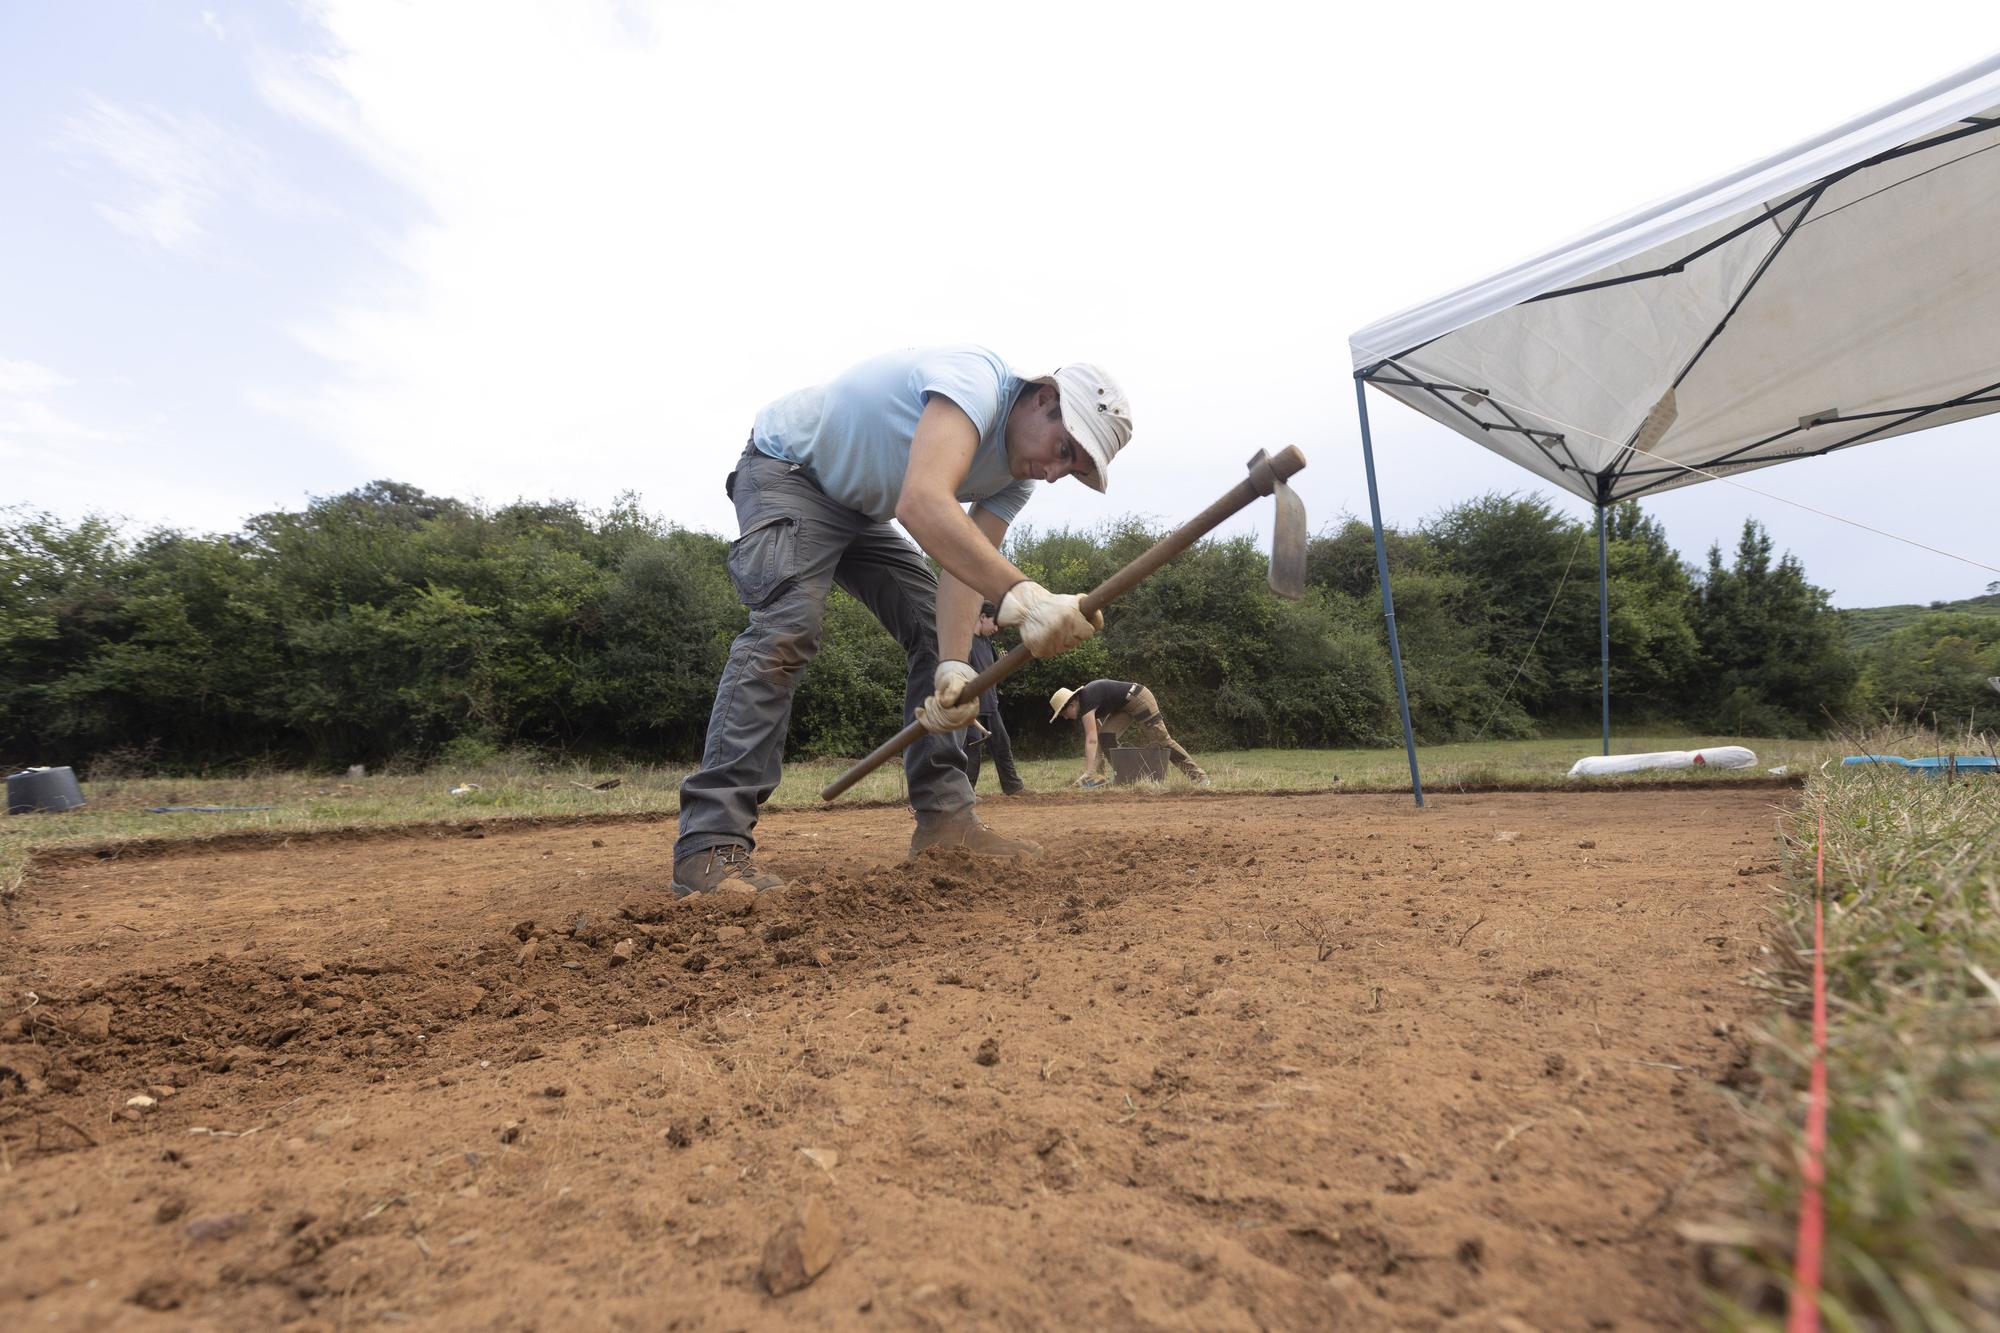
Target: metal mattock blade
x: 1288, y: 538
x: 1288, y: 545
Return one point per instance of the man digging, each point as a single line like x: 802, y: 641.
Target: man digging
x: 912, y: 435
x: 1128, y: 713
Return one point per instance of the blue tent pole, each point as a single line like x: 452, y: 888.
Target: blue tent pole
x: 1604, y: 626
x: 1388, y: 601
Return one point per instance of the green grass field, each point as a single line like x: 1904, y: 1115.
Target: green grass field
x: 118, y: 809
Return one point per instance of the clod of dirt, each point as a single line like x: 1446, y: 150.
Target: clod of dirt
x: 697, y: 962
x: 510, y: 1132
x: 171, y: 1209
x: 215, y: 1226
x: 736, y: 888
x: 677, y: 1136
x: 229, y: 1059
x: 523, y: 930
x: 581, y: 929
x: 1586, y: 844
x: 729, y: 934
x: 799, y: 1251
x: 621, y: 952
x: 1554, y: 1065
x: 988, y: 1053
x: 527, y: 953
x: 91, y: 1023
x: 159, y: 1293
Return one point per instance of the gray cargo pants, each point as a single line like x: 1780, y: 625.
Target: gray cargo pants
x: 796, y: 546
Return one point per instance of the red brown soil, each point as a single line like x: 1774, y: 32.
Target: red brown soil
x: 1219, y: 1062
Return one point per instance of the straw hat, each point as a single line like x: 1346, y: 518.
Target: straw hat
x: 1057, y: 702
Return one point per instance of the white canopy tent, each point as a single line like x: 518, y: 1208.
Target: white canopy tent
x: 1839, y: 293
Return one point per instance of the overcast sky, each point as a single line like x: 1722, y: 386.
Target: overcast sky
x: 252, y: 253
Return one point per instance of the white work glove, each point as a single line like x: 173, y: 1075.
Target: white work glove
x: 1050, y: 622
x: 950, y: 708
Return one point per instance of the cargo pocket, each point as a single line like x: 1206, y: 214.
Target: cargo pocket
x: 763, y: 560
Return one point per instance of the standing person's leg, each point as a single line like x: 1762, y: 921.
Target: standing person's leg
x: 1001, y: 747
x: 973, y: 751
x: 783, y: 568
x: 888, y: 576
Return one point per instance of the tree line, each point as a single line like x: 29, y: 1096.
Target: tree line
x: 391, y: 626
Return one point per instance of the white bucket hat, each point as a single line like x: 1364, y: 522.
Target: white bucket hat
x: 1057, y: 702
x: 1096, y: 412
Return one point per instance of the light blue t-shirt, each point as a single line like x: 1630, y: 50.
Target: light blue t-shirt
x: 854, y: 431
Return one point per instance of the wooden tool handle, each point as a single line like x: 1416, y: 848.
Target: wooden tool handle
x: 1262, y: 480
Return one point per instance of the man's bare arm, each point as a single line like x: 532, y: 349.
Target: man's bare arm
x: 958, y: 605
x: 940, y: 456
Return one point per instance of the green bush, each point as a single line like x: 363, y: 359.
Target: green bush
x: 388, y: 623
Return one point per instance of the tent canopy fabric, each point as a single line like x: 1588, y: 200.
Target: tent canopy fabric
x: 1843, y: 292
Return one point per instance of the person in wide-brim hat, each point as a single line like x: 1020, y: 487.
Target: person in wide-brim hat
x: 1128, y: 713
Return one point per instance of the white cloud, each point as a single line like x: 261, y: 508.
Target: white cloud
x: 168, y: 170
x: 641, y: 222
x: 167, y: 175
x: 32, y: 427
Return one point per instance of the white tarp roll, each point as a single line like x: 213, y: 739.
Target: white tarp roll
x: 1842, y: 292
x: 1720, y: 756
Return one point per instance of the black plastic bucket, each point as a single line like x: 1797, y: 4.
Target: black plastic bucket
x: 1139, y: 763
x: 43, y: 789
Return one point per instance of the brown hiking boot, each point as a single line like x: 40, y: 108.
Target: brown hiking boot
x: 703, y: 871
x: 963, y: 829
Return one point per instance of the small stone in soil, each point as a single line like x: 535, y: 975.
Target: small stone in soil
x: 989, y: 1052
x: 216, y: 1226
x: 621, y: 953
x: 799, y: 1250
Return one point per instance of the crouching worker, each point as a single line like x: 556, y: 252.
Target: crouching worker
x: 911, y: 436
x: 1126, y: 712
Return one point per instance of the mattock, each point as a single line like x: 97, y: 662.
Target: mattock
x: 1288, y: 579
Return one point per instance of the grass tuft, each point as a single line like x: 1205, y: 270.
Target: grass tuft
x: 1912, y: 1189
